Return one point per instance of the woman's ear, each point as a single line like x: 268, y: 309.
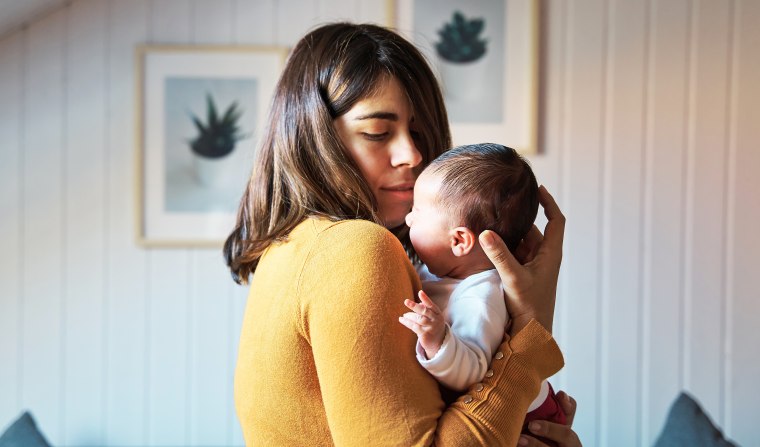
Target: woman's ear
x: 462, y: 240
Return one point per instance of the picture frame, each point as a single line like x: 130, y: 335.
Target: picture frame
x: 486, y: 60
x: 201, y: 115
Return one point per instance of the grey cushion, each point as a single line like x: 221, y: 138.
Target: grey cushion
x: 688, y: 425
x: 23, y: 433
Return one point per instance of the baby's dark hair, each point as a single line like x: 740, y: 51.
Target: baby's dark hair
x: 488, y: 187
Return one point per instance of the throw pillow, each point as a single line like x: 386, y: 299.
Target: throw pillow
x: 688, y: 425
x: 23, y: 433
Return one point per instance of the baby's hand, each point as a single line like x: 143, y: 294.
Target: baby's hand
x: 426, y: 320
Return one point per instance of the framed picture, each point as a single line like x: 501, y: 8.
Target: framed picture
x: 485, y: 54
x: 202, y: 112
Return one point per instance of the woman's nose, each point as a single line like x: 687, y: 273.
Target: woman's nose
x: 405, y: 152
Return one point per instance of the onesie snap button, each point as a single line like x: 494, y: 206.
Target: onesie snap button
x: 489, y: 373
x: 467, y: 399
x: 479, y: 387
x: 499, y: 356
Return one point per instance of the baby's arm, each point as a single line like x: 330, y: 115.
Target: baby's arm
x: 466, y: 354
x: 426, y: 320
x: 460, y: 356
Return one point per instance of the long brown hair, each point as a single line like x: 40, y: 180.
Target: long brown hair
x: 302, y: 168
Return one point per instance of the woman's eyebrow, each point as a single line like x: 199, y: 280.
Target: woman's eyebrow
x: 378, y: 115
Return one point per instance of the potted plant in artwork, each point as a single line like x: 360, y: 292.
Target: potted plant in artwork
x: 216, y: 140
x: 462, y: 50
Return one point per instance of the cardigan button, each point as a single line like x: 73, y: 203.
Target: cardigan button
x: 499, y: 356
x: 467, y: 398
x: 489, y: 373
x: 479, y: 387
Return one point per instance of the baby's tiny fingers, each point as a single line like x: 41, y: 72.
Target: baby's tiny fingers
x: 419, y: 309
x: 427, y: 302
x: 417, y: 318
x: 416, y: 328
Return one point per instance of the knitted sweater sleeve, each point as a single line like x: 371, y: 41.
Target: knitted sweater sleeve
x: 374, y: 391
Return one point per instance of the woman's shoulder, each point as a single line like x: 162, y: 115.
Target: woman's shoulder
x: 354, y: 255
x: 354, y: 236
x: 356, y: 245
x: 348, y: 226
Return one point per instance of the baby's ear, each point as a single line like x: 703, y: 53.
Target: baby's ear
x: 462, y: 240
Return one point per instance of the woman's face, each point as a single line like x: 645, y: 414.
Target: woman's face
x: 380, y: 135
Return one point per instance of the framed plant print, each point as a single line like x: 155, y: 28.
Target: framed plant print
x: 485, y: 54
x: 201, y: 116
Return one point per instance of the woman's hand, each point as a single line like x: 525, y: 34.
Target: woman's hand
x: 531, y: 286
x: 563, y: 435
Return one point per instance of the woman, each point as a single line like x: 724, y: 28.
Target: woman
x: 323, y: 360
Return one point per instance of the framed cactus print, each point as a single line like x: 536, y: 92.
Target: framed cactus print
x: 485, y: 54
x: 201, y: 116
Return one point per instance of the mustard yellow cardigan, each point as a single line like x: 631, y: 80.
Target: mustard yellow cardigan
x: 323, y: 359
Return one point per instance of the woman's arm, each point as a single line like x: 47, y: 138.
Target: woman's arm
x: 374, y: 391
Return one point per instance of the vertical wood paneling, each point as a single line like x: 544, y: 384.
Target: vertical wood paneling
x: 85, y: 200
x: 212, y: 22
x: 291, y: 27
x: 744, y: 240
x: 127, y: 264
x: 706, y: 205
x: 621, y: 230
x: 254, y: 22
x: 210, y: 305
x: 168, y: 348
x: 11, y: 158
x: 43, y: 270
x: 169, y: 337
x: 664, y: 211
x: 238, y: 295
x: 337, y: 11
x: 170, y: 21
x: 210, y: 397
x: 373, y: 11
x: 584, y: 114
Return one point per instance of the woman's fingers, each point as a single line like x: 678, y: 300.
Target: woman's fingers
x: 554, y: 232
x: 506, y: 264
x: 529, y: 441
x: 568, y: 405
x: 528, y: 247
x: 560, y: 433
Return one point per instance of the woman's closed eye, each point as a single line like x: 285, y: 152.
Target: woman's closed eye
x: 375, y: 136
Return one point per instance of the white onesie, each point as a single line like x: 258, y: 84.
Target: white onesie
x: 476, y: 316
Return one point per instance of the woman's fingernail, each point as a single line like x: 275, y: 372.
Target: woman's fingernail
x: 522, y: 441
x: 535, y: 426
x: 486, y: 239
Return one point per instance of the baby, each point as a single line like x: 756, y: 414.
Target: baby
x: 461, y: 318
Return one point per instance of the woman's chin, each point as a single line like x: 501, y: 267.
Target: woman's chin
x: 391, y: 224
x: 396, y: 217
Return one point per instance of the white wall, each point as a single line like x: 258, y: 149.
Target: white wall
x: 651, y: 139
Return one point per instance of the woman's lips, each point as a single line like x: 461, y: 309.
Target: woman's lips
x: 402, y: 191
